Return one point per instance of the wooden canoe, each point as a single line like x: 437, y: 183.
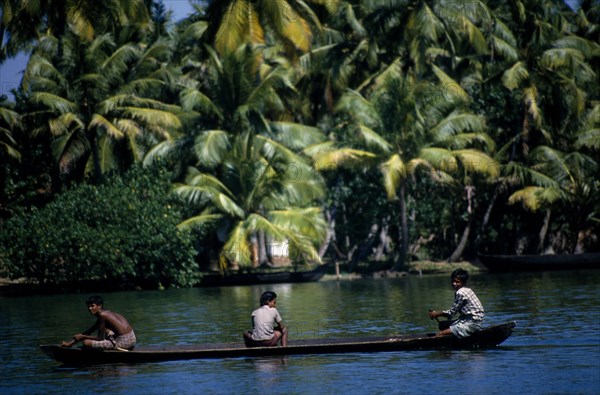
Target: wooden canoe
x: 487, y: 338
x: 219, y: 280
x: 514, y: 263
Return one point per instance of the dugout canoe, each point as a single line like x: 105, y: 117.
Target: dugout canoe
x: 489, y: 337
x: 221, y: 280
x: 521, y: 263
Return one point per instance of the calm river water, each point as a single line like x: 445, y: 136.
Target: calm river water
x: 555, y: 348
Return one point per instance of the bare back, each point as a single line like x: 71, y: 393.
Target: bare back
x: 113, y: 321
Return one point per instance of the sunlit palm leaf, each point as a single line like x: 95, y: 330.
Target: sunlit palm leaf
x: 110, y: 129
x: 457, y: 123
x: 394, y: 172
x: 239, y: 23
x: 478, y: 162
x: 192, y: 99
x: 199, y: 221
x: 528, y: 196
x: 53, y: 102
x: 295, y: 135
x: 515, y: 76
x: 151, y: 116
x: 211, y: 147
x: 450, y: 89
x: 237, y: 247
x: 355, y: 105
x: 373, y: 140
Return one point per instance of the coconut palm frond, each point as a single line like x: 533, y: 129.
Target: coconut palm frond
x: 103, y: 123
x: 195, y: 30
x: 473, y: 35
x: 394, y: 171
x: 528, y: 196
x: 450, y: 89
x: 258, y: 223
x: 589, y: 138
x: 211, y: 147
x: 530, y: 98
x: 587, y: 48
x: 53, y: 102
x: 457, y: 123
x: 507, y: 50
x: 164, y: 149
x: 237, y: 248
x: 554, y: 163
x: 194, y: 100
x: 478, y: 162
x: 199, y: 221
x: 439, y: 158
x: 341, y: 157
x: 561, y: 58
x: 464, y: 140
x: 295, y: 135
x: 514, y: 77
x: 359, y: 108
x: 373, y: 140
x: 151, y: 116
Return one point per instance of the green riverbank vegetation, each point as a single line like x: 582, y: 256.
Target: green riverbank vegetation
x: 139, y: 152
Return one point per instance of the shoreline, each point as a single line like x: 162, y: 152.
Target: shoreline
x: 21, y: 287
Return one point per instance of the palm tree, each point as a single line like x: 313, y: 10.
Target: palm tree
x: 10, y: 121
x: 561, y: 179
x: 427, y: 127
x: 248, y: 176
x: 22, y: 21
x: 97, y: 98
x: 293, y: 23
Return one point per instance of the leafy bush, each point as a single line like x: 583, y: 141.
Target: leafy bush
x: 122, y: 234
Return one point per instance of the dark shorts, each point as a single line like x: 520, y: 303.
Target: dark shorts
x: 250, y: 342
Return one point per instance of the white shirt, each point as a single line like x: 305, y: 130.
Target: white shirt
x: 264, y: 318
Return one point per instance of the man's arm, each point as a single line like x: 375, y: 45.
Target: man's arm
x: 78, y: 337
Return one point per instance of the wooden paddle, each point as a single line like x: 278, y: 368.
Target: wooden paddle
x: 443, y: 324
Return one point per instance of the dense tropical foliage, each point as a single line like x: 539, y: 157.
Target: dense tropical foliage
x: 344, y: 130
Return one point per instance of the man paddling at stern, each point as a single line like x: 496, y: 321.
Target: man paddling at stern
x: 114, y: 332
x: 466, y: 304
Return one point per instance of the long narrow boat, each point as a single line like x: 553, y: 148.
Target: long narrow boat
x: 218, y: 280
x: 519, y: 263
x: 489, y: 337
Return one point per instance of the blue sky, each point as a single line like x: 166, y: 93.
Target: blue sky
x: 11, y: 71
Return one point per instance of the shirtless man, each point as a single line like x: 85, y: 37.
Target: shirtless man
x: 114, y: 332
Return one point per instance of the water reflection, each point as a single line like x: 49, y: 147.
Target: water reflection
x: 554, y: 312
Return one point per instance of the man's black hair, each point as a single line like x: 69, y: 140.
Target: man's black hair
x: 95, y: 300
x: 266, y: 297
x: 462, y: 274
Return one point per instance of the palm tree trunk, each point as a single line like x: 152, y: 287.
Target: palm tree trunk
x: 404, y: 230
x: 463, y: 242
x: 330, y: 215
x: 383, y: 239
x: 263, y: 257
x: 95, y: 156
x: 470, y: 192
x: 544, y: 231
x: 486, y: 218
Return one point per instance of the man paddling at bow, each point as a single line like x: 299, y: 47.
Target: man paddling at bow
x: 114, y: 332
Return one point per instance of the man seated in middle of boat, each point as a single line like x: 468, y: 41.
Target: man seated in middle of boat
x: 267, y: 326
x: 466, y: 304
